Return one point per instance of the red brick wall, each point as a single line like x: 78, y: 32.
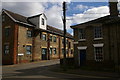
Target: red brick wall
x: 8, y: 58
x: 15, y: 49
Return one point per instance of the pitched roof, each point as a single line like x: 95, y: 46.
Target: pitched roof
x: 38, y: 15
x: 22, y: 19
x: 104, y: 20
x: 17, y: 17
x: 55, y: 30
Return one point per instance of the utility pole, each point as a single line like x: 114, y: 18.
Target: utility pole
x: 64, y: 23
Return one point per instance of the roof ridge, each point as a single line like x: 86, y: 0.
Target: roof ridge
x: 60, y: 30
x: 14, y: 13
x: 54, y: 27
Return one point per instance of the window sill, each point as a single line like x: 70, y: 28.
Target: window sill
x: 98, y: 38
x: 75, y: 42
x: 82, y: 40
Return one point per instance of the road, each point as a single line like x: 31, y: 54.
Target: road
x: 41, y: 71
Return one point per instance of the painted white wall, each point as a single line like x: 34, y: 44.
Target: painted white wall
x: 40, y: 22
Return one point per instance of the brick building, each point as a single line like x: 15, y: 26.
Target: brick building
x: 98, y: 41
x: 26, y: 39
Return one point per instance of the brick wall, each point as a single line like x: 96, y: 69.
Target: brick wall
x: 8, y: 58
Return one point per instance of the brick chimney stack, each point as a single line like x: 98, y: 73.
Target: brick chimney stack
x: 113, y: 7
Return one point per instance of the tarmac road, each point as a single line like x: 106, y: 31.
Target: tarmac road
x: 40, y: 71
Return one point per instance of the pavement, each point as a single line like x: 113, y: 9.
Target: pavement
x: 42, y: 71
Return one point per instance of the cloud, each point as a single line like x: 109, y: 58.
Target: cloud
x: 90, y: 14
x: 83, y: 7
x: 54, y: 14
x: 119, y: 6
x: 24, y: 8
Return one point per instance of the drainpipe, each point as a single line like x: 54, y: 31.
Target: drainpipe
x: 48, y: 47
x: 59, y: 46
x: 117, y: 37
x: 33, y: 45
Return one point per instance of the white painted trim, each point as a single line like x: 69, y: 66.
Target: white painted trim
x: 10, y: 16
x: 20, y: 54
x: 98, y: 45
x: 75, y: 42
x: 82, y: 47
x: 98, y: 38
x: 24, y: 23
x: 82, y: 40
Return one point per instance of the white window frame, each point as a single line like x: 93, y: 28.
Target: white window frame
x: 81, y: 35
x: 98, y: 34
x: 29, y: 33
x: 51, y: 38
x: 54, y: 39
x: 43, y: 50
x: 44, y: 38
x: 98, y: 60
x: 51, y: 51
x: 29, y: 51
x: 43, y: 21
x: 7, y: 31
x: 6, y: 49
x: 55, y: 51
x: 82, y: 47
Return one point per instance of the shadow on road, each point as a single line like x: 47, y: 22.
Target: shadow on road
x: 45, y: 73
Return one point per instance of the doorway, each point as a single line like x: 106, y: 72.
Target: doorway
x: 82, y: 57
x: 44, y: 54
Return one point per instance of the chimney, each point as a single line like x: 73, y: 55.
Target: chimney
x: 113, y: 7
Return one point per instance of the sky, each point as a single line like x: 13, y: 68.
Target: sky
x: 77, y: 12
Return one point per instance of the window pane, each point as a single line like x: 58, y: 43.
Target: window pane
x: 63, y: 51
x: 28, y: 49
x: 54, y: 39
x: 28, y: 52
x: 43, y: 51
x: 81, y: 34
x: 43, y: 21
x: 98, y: 53
x: 7, y: 32
x: 98, y: 32
x: 51, y: 38
x: 43, y: 36
x: 54, y: 50
x: 50, y: 50
x: 6, y: 49
x: 29, y: 33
